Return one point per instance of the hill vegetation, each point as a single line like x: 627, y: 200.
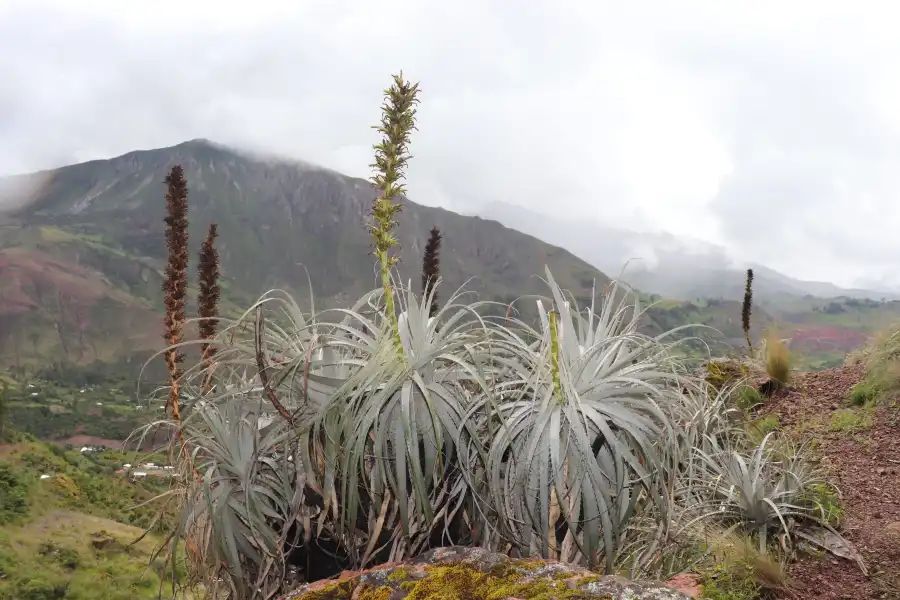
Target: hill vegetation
x: 69, y: 522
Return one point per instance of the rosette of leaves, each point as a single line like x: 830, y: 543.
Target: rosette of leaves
x: 248, y: 472
x: 578, y: 434
x: 238, y: 515
x: 762, y: 489
x: 403, y: 443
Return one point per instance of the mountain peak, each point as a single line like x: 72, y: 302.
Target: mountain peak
x: 204, y: 143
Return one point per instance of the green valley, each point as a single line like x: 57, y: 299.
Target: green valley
x: 71, y: 523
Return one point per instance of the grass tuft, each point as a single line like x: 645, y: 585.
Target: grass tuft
x: 777, y: 359
x: 848, y: 420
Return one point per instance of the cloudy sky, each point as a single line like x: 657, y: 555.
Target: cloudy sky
x: 770, y: 127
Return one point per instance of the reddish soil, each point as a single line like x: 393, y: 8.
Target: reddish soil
x: 824, y: 338
x: 866, y: 467
x: 28, y: 276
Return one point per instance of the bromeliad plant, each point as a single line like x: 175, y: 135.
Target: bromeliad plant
x: 577, y: 430
x: 411, y: 413
x: 763, y: 489
x: 405, y: 399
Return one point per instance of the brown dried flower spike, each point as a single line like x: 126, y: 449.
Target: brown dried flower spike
x: 175, y: 285
x: 208, y: 296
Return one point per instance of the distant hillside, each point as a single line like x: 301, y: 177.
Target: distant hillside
x: 665, y: 264
x: 82, y: 248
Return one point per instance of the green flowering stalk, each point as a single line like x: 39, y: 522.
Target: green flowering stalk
x: 554, y: 355
x: 391, y: 155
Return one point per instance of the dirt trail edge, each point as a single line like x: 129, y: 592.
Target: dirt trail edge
x: 860, y: 448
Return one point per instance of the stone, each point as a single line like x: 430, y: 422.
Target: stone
x: 686, y: 583
x: 460, y: 573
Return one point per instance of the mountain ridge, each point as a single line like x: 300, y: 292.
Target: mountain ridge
x: 282, y: 224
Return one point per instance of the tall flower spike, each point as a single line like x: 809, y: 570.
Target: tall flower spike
x: 175, y: 285
x: 208, y: 296
x: 431, y: 268
x: 746, y: 307
x: 391, y: 155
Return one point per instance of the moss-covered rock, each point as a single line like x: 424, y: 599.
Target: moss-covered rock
x: 723, y: 372
x: 460, y: 573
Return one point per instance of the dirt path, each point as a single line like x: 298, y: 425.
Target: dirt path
x: 860, y: 447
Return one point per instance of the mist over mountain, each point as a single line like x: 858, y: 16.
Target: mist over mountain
x: 662, y: 263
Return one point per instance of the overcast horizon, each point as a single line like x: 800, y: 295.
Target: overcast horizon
x: 770, y: 128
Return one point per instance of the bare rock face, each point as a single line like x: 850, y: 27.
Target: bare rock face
x: 460, y: 573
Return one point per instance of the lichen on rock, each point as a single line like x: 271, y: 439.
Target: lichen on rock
x: 459, y: 573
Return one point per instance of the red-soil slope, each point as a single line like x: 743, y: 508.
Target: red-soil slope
x: 865, y: 464
x: 826, y: 338
x: 28, y: 276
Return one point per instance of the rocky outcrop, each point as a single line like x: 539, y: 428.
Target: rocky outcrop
x: 460, y: 573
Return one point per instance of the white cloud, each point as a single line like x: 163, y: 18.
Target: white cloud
x: 771, y: 127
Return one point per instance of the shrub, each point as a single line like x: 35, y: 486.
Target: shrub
x: 39, y: 587
x: 67, y: 557
x: 13, y: 494
x: 828, y: 501
x: 758, y: 429
x: 748, y: 397
x: 865, y: 392
x: 848, y: 420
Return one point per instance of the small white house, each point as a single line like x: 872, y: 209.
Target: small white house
x: 99, y: 404
x: 46, y: 476
x: 137, y: 474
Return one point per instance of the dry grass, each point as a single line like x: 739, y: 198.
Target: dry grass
x: 777, y: 359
